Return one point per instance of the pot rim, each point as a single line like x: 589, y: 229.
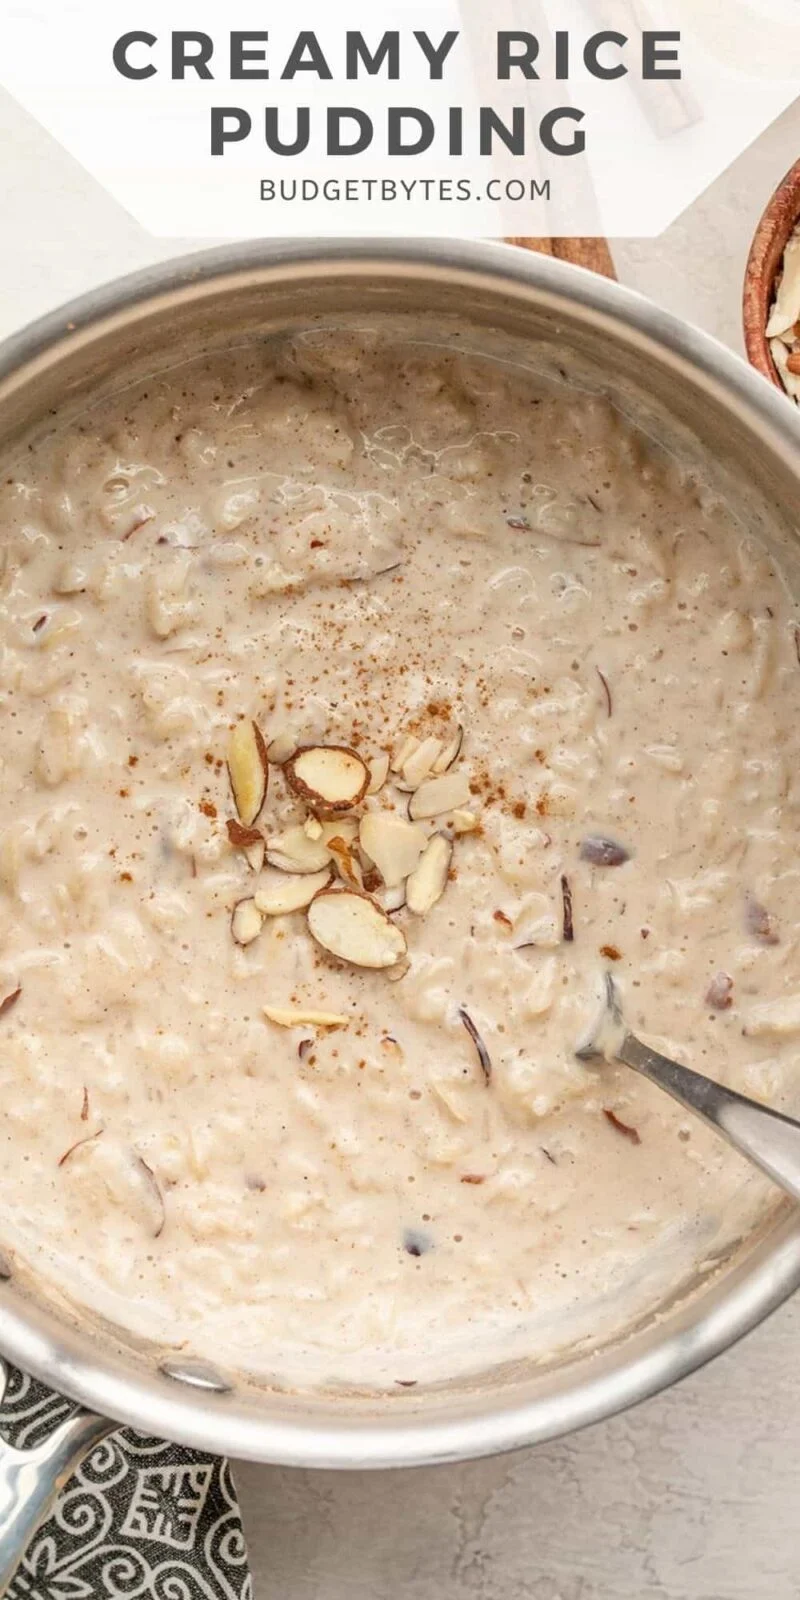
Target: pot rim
x: 482, y: 1420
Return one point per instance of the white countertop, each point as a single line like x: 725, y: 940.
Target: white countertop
x: 694, y: 1495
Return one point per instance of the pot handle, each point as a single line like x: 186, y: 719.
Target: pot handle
x: 31, y: 1479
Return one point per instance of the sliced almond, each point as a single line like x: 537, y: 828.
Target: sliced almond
x: 340, y: 828
x: 347, y: 866
x: 406, y: 748
x: 394, y: 974
x: 282, y: 746
x: 279, y: 893
x: 391, y: 900
x: 294, y: 851
x: 299, y: 1017
x: 354, y: 928
x: 422, y: 762
x: 329, y: 777
x: 451, y: 752
x: 392, y: 843
x: 435, y: 796
x: 427, y: 882
x: 246, y: 921
x: 378, y: 772
x: 313, y: 828
x: 254, y: 854
x: 250, y: 841
x: 248, y: 770
x: 464, y: 822
x: 240, y: 836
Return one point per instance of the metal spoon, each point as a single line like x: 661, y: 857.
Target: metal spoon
x: 766, y: 1137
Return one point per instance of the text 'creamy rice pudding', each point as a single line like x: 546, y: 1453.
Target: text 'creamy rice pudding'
x: 362, y: 703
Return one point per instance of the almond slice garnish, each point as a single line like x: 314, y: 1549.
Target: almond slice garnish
x: 329, y: 778
x: 250, y: 841
x: 464, y: 822
x: 254, y: 855
x: 240, y: 837
x: 378, y: 772
x: 248, y: 770
x: 391, y: 900
x: 282, y: 746
x: 428, y: 881
x: 406, y: 748
x: 392, y: 843
x: 279, y: 893
x: 301, y: 1017
x: 450, y: 753
x: 345, y: 862
x: 339, y: 828
x: 422, y: 762
x: 354, y: 928
x: 395, y: 974
x: 295, y: 851
x: 246, y: 921
x: 435, y: 796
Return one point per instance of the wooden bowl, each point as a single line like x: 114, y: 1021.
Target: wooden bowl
x: 763, y: 266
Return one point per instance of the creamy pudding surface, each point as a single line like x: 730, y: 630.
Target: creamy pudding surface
x: 363, y: 704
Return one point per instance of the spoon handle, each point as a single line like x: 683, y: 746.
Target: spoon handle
x: 769, y: 1138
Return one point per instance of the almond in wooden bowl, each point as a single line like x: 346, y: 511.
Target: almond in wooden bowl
x: 762, y: 285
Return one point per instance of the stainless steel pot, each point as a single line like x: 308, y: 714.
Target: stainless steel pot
x: 498, y: 294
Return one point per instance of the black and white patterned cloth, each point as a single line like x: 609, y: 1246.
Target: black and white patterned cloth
x: 139, y: 1520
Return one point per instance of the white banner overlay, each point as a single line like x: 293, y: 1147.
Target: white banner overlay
x: 456, y: 117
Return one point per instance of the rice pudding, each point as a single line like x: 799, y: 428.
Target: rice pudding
x: 363, y: 703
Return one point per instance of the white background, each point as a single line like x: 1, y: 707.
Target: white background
x: 695, y: 1495
x: 148, y: 141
